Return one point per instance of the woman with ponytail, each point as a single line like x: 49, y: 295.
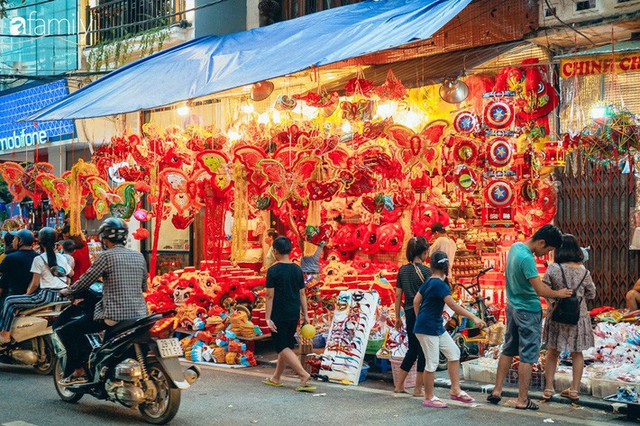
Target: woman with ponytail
x: 50, y: 274
x: 433, y: 338
x: 410, y: 278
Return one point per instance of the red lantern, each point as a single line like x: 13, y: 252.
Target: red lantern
x: 90, y: 212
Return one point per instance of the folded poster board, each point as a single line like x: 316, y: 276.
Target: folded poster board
x: 353, y: 319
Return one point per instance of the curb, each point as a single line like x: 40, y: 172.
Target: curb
x: 483, y: 388
x: 513, y: 393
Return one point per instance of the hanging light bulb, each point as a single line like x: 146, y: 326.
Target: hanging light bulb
x: 307, y: 112
x: 598, y: 112
x: 183, y: 111
x: 386, y: 109
x: 410, y: 119
x: 233, y: 135
x: 263, y: 118
x: 247, y: 108
x: 346, y: 127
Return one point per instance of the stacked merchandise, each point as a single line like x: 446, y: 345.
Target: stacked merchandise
x: 199, y: 295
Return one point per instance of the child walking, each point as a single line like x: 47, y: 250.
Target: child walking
x: 285, y: 296
x: 429, y: 329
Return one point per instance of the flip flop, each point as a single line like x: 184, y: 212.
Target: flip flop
x: 494, y: 399
x: 570, y: 395
x: 434, y: 402
x: 270, y: 382
x: 547, y: 394
x: 306, y: 388
x: 530, y: 406
x: 463, y: 397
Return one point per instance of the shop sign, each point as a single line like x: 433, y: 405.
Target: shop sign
x: 593, y: 65
x: 15, y: 134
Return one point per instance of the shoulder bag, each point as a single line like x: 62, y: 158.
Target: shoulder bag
x: 419, y: 272
x: 567, y: 311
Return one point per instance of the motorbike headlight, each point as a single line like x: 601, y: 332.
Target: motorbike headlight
x: 128, y: 370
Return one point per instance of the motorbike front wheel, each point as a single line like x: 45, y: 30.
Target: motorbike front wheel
x: 167, y: 402
x: 65, y: 395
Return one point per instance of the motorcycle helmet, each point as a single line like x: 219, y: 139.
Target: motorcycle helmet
x: 25, y: 236
x: 114, y: 230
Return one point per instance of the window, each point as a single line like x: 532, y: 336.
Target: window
x: 585, y: 5
x: 550, y: 12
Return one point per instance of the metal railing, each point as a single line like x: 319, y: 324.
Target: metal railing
x: 296, y: 8
x: 120, y: 19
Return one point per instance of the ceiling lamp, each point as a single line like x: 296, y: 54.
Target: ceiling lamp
x: 261, y: 90
x: 454, y: 91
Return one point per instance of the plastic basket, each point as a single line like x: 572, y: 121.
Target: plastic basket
x: 410, y: 381
x: 363, y: 372
x: 537, y: 379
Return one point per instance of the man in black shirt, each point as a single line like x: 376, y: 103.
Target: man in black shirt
x: 16, y: 266
x: 285, y: 297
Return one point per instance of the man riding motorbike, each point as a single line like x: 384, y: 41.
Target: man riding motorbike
x: 16, y: 265
x: 124, y: 275
x: 49, y: 275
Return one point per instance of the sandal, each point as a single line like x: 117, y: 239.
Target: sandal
x: 548, y: 394
x: 570, y: 394
x: 434, y: 402
x: 270, y: 382
x: 530, y: 406
x: 494, y: 399
x: 306, y: 388
x: 463, y: 397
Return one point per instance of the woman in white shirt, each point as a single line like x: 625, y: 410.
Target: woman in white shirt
x: 50, y: 275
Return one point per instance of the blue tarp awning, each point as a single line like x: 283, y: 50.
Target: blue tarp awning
x: 213, y: 64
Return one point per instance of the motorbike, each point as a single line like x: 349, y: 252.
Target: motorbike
x: 453, y: 326
x: 137, y: 365
x: 31, y: 338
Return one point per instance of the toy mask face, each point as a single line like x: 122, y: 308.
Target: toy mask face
x: 181, y: 294
x: 390, y: 237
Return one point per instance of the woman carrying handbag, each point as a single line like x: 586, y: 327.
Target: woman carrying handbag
x: 568, y: 325
x: 410, y: 278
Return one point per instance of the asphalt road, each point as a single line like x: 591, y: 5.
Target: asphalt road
x: 237, y: 397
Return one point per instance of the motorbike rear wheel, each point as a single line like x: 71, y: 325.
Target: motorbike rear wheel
x: 46, y: 366
x: 65, y: 395
x: 167, y: 401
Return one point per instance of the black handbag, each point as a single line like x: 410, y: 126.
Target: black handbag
x: 567, y: 311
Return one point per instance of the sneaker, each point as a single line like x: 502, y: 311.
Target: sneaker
x: 73, y: 380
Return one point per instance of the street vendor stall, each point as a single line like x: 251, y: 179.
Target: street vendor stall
x: 349, y: 175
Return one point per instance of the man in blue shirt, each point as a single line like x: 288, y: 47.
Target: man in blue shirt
x: 524, y: 311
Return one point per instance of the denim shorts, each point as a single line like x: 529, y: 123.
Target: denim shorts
x: 523, y: 336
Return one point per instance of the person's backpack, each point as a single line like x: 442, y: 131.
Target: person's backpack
x: 567, y: 311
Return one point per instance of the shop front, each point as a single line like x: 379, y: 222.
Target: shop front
x: 350, y: 164
x: 27, y: 144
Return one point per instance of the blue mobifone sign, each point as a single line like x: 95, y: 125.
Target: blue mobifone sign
x: 15, y: 134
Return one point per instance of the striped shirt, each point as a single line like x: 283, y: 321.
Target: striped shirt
x: 409, y: 282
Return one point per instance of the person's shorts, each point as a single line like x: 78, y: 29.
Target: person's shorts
x: 285, y: 337
x: 523, y: 336
x: 433, y: 345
